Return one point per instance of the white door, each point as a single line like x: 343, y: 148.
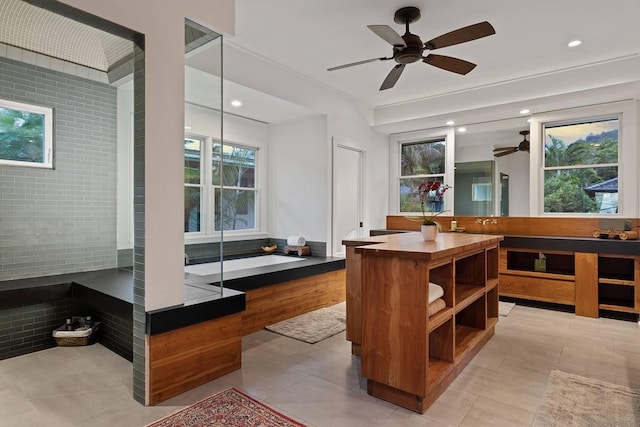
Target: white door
x: 347, y: 201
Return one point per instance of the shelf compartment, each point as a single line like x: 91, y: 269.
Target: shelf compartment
x: 492, y: 304
x: 556, y: 263
x: 467, y: 294
x: 470, y: 325
x: 441, y: 344
x: 439, y: 318
x: 615, y: 295
x: 492, y: 264
x: 443, y: 276
x: 617, y: 268
x: 471, y: 269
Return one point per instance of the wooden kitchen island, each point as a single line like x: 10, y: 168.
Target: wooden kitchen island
x: 409, y: 357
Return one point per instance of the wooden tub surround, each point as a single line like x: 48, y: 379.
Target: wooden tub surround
x: 408, y: 357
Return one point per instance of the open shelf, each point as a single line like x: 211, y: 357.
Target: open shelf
x: 556, y: 263
x: 440, y: 353
x: 492, y: 264
x: 439, y: 318
x: 470, y: 270
x: 443, y: 276
x: 470, y: 325
x: 616, y: 296
x: 492, y: 304
x: 616, y: 269
x: 467, y: 294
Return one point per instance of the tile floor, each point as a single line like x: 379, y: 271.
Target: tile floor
x: 319, y: 384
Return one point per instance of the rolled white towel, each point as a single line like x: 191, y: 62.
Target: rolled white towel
x: 435, y: 292
x: 296, y: 241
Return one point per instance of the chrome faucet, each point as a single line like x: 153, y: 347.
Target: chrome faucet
x: 186, y: 259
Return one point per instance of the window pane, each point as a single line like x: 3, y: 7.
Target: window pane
x: 410, y: 199
x: 590, y: 143
x: 583, y: 190
x: 422, y: 158
x: 238, y: 169
x: 192, y: 149
x: 192, y: 209
x: 238, y: 210
x: 22, y: 136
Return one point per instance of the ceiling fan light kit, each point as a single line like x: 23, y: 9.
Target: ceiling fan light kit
x: 409, y: 48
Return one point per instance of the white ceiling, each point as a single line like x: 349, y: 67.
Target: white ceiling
x: 530, y: 41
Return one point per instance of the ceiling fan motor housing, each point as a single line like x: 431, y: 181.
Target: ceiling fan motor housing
x: 411, y: 53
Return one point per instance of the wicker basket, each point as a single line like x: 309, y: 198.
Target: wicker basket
x: 82, y: 338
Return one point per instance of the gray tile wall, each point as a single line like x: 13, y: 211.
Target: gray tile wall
x: 29, y: 328
x: 139, y: 318
x: 61, y: 220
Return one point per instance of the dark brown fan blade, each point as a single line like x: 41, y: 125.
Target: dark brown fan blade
x: 392, y: 77
x: 357, y: 63
x: 503, y: 148
x: 461, y: 35
x: 504, y: 153
x: 388, y: 34
x: 449, y: 63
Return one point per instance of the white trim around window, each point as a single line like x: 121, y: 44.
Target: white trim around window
x: 395, y: 144
x: 628, y: 172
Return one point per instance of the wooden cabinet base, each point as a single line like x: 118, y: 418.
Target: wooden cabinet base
x: 421, y: 403
x: 185, y: 358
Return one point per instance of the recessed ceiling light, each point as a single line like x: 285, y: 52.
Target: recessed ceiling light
x: 525, y: 111
x: 528, y: 120
x: 574, y: 43
x: 462, y: 129
x: 451, y: 123
x: 236, y: 103
x: 187, y: 127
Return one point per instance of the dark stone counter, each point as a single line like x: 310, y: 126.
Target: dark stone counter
x: 573, y: 244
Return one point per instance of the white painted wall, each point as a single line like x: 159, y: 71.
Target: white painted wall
x: 297, y: 179
x: 345, y: 120
x: 164, y: 125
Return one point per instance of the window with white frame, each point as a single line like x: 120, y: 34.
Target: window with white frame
x: 26, y: 135
x: 580, y: 165
x: 421, y: 162
x: 221, y: 191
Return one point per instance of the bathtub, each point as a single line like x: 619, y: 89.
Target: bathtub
x: 208, y: 268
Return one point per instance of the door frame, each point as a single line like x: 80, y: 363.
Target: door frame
x: 361, y: 192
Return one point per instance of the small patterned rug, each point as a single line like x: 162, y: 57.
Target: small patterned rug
x: 504, y: 308
x: 227, y: 408
x: 575, y: 401
x: 314, y: 326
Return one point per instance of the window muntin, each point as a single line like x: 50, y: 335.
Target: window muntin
x: 581, y: 166
x: 220, y: 193
x: 26, y: 135
x: 235, y: 207
x: 193, y: 184
x: 421, y: 162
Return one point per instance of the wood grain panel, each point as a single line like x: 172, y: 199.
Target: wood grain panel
x: 185, y: 358
x: 522, y: 226
x: 272, y: 304
x: 394, y: 314
x: 586, y: 284
x: 354, y: 298
x: 550, y: 290
x: 636, y: 269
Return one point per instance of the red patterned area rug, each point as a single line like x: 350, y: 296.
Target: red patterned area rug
x: 227, y: 408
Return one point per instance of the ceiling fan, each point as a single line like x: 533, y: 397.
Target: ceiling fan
x: 523, y: 146
x: 409, y: 48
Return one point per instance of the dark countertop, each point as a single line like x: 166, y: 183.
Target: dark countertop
x: 203, y: 298
x: 573, y: 244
